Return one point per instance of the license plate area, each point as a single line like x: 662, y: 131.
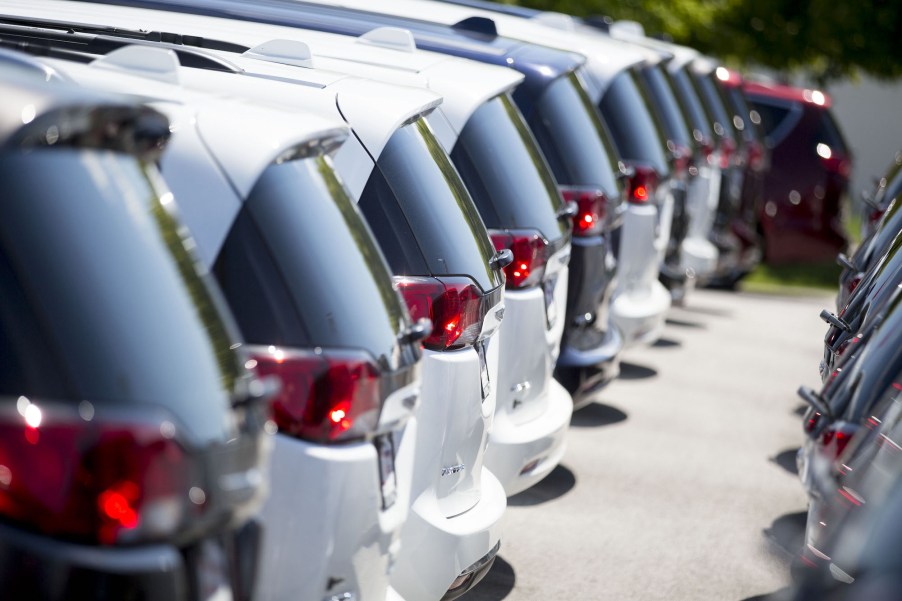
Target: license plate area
x: 484, y: 380
x: 385, y: 450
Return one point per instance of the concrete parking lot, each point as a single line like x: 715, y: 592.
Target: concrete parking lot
x: 681, y: 485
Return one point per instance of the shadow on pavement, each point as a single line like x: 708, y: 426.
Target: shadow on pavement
x: 787, y: 460
x: 781, y: 595
x: 667, y: 343
x: 788, y: 532
x: 800, y: 410
x: 497, y: 584
x: 709, y: 310
x: 595, y: 415
x: 631, y: 371
x: 555, y: 485
x: 682, y: 323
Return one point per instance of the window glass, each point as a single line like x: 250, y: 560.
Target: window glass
x: 772, y: 115
x: 505, y: 172
x: 671, y: 117
x: 422, y: 214
x: 828, y: 133
x: 573, y: 138
x: 692, y: 104
x: 100, y: 298
x: 301, y: 269
x: 635, y: 133
x: 723, y: 122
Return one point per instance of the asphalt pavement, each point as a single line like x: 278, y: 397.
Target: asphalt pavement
x: 681, y: 484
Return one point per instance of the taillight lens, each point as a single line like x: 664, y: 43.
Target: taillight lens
x: 643, y: 184
x: 530, y: 252
x: 74, y: 476
x: 811, y: 422
x: 727, y: 150
x: 853, y: 283
x: 837, y: 165
x: 455, y: 306
x: 707, y: 148
x: 327, y: 395
x: 756, y: 155
x: 592, y: 210
x: 835, y: 440
x: 681, y: 158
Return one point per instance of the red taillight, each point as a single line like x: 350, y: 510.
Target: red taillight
x: 854, y: 281
x: 756, y: 155
x: 837, y: 165
x: 89, y: 479
x: 592, y: 209
x: 707, y: 148
x: 642, y: 184
x: 530, y: 256
x: 326, y: 395
x: 681, y: 158
x: 839, y: 439
x: 811, y: 422
x: 455, y: 306
x: 727, y: 149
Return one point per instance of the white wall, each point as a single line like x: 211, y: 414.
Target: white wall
x: 870, y: 115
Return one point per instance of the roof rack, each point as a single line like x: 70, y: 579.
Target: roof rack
x: 36, y: 39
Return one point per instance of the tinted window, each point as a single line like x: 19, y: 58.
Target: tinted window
x: 775, y: 118
x: 100, y: 299
x: 723, y: 122
x: 692, y: 104
x: 573, y: 138
x: 671, y: 117
x: 635, y: 133
x: 422, y: 214
x: 505, y: 172
x: 828, y: 133
x: 300, y: 267
x: 751, y: 128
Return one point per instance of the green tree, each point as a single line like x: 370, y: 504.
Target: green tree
x: 827, y: 38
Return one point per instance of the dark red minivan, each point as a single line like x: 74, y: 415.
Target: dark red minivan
x: 809, y: 175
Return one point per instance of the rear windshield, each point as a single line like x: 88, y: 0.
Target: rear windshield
x: 828, y: 133
x: 778, y: 118
x: 505, y: 172
x: 671, y: 117
x: 573, y: 138
x: 421, y: 213
x: 635, y: 132
x: 300, y: 268
x: 100, y: 299
x: 692, y: 104
x: 723, y: 123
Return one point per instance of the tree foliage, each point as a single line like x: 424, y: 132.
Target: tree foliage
x: 827, y: 38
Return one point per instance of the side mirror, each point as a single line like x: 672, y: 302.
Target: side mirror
x: 843, y: 261
x: 502, y: 259
x: 835, y: 321
x: 417, y: 331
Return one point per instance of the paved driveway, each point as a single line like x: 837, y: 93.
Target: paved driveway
x: 681, y: 486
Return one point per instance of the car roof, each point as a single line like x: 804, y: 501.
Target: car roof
x: 806, y: 96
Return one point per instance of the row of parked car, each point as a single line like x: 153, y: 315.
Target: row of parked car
x: 850, y: 462
x: 296, y: 295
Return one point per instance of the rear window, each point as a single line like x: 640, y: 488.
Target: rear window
x: 828, y: 133
x: 421, y: 213
x: 671, y: 116
x: 573, y: 138
x: 505, y: 172
x: 723, y: 122
x: 635, y: 133
x: 300, y: 268
x: 751, y: 129
x: 100, y: 299
x: 692, y: 104
x: 778, y: 118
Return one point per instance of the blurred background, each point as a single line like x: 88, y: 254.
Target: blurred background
x: 847, y: 49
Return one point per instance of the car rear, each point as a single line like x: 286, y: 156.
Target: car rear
x: 447, y: 270
x: 133, y: 445
x: 519, y: 202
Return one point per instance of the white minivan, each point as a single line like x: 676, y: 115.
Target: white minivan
x: 430, y: 231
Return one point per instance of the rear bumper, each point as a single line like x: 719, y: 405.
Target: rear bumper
x: 310, y: 540
x: 522, y: 454
x: 33, y: 566
x: 436, y: 549
x: 585, y: 372
x: 640, y: 314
